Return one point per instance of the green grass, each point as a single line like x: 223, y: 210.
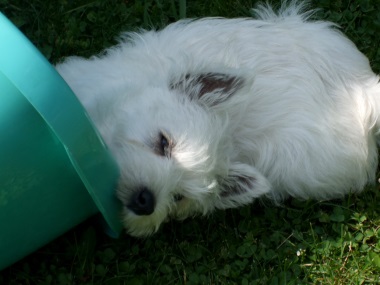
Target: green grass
x: 335, y: 242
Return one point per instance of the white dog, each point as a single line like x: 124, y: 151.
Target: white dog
x: 214, y: 113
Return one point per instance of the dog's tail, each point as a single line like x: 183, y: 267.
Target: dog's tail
x: 375, y: 99
x: 368, y: 101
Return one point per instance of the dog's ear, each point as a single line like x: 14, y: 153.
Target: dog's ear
x: 210, y: 89
x: 242, y: 185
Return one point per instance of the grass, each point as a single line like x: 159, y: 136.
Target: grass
x: 335, y: 242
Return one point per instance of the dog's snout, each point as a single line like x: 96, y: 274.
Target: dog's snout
x: 142, y: 202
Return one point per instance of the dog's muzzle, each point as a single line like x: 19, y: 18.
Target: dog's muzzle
x: 142, y: 202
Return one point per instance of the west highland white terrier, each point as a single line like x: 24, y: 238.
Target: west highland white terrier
x: 213, y: 113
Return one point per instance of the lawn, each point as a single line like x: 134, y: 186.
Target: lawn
x: 308, y: 242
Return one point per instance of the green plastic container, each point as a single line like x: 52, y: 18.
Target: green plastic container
x: 55, y: 171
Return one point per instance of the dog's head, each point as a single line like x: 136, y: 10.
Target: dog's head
x: 175, y: 147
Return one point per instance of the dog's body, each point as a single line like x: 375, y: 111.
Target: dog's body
x: 214, y: 113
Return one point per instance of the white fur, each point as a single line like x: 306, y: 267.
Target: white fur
x: 298, y: 119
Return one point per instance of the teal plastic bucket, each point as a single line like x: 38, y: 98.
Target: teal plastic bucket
x: 55, y: 171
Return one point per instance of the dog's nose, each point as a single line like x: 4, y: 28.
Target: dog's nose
x: 142, y: 202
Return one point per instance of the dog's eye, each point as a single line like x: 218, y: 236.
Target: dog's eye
x: 164, y: 146
x: 177, y: 197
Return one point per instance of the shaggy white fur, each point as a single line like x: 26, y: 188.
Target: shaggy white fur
x: 213, y: 113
